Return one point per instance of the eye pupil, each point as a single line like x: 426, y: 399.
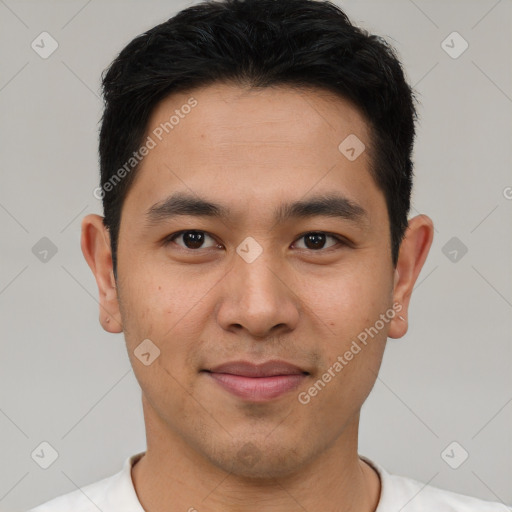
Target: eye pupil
x: 317, y: 240
x: 193, y: 239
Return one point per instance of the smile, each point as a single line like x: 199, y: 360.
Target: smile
x: 257, y: 382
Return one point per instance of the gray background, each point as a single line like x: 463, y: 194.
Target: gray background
x: 65, y: 381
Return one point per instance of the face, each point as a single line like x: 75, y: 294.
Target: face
x: 251, y: 285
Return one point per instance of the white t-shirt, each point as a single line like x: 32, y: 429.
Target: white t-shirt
x: 398, y: 494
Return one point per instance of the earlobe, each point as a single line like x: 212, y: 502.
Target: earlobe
x: 413, y: 253
x: 95, y: 243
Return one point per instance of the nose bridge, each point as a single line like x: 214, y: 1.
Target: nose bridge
x: 256, y: 296
x: 256, y: 271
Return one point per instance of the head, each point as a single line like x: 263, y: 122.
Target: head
x: 278, y: 130
x: 301, y: 44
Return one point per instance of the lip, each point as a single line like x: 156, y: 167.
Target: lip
x: 266, y: 369
x: 257, y: 382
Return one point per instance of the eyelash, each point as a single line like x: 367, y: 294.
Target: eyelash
x: 341, y: 241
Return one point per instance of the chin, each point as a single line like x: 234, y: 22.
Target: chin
x: 257, y: 462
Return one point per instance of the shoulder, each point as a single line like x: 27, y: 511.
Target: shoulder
x: 416, y: 496
x: 409, y: 495
x: 86, y: 499
x: 111, y: 494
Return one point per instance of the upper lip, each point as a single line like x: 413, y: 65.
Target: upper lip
x: 266, y: 369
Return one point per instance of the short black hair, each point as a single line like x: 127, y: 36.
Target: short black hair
x: 259, y: 43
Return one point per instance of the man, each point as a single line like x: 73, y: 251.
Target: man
x: 256, y: 253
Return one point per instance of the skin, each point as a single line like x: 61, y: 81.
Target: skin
x: 252, y: 151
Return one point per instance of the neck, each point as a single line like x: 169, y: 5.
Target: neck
x: 171, y: 476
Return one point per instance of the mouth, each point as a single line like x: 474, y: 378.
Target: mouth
x: 257, y: 382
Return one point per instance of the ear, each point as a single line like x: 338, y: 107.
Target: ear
x: 96, y: 249
x: 413, y: 253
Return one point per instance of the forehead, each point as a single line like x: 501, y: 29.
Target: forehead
x: 280, y: 116
x: 270, y: 143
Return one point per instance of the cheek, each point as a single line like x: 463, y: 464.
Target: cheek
x: 165, y: 308
x: 349, y: 300
x: 353, y: 348
x: 158, y: 300
x: 156, y: 310
x: 349, y: 304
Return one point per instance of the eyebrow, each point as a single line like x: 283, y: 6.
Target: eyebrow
x: 326, y: 205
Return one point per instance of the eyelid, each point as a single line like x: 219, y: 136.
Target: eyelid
x: 170, y: 238
x: 341, y: 240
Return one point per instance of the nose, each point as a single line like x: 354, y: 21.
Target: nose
x: 258, y: 297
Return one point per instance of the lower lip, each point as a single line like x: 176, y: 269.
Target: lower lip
x: 258, y: 389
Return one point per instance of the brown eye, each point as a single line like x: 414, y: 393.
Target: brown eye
x: 191, y: 239
x: 316, y: 240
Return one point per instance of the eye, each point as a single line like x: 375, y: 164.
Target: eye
x: 315, y: 240
x: 192, y: 239
x: 195, y: 239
